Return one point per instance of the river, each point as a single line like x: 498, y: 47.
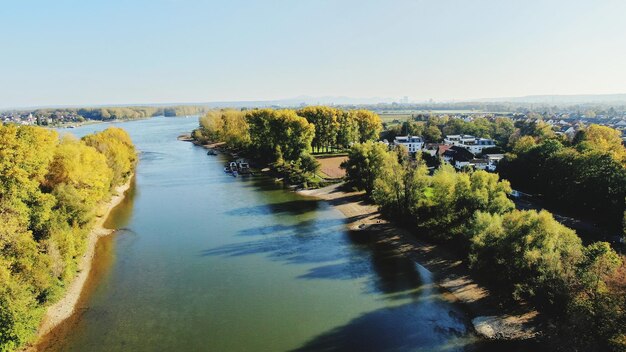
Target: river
x: 203, y: 261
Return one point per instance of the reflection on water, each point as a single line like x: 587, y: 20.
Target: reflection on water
x: 215, y: 263
x: 121, y: 214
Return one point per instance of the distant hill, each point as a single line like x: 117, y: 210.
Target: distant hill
x: 306, y: 100
x: 561, y: 99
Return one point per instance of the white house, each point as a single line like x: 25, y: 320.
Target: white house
x: 493, y: 160
x: 413, y: 143
x: 458, y: 139
x: 471, y: 143
x: 480, y: 164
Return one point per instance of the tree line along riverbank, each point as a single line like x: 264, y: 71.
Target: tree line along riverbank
x: 526, y: 255
x: 54, y: 195
x: 73, y: 116
x: 286, y: 140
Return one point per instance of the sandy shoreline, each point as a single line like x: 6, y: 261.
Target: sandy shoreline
x: 64, y: 308
x: 490, y: 317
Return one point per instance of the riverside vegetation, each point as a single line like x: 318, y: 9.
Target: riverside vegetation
x: 525, y: 254
x: 285, y: 139
x: 58, y: 116
x: 584, y: 176
x: 50, y: 192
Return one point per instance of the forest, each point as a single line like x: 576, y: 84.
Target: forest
x: 51, y: 190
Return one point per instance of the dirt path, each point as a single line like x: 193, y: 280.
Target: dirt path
x: 491, y: 318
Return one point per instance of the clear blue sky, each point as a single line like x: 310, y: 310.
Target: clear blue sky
x: 157, y: 51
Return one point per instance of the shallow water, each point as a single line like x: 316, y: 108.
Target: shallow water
x: 205, y: 261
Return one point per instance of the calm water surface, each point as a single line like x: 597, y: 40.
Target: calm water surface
x: 207, y: 262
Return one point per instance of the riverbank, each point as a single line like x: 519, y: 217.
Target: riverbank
x: 492, y: 319
x: 65, y: 307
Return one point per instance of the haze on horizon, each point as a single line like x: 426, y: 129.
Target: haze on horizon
x: 164, y: 51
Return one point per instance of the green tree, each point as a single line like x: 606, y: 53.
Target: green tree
x: 402, y: 188
x: 348, y: 131
x: 366, y: 161
x: 432, y: 134
x: 369, y: 124
x: 284, y: 130
x: 529, y: 251
x: 325, y: 119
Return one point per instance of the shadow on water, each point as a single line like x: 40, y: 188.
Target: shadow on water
x: 304, y: 242
x: 120, y: 215
x: 400, y: 328
x: 294, y: 207
x: 427, y: 321
x: 339, y: 254
x: 417, y: 315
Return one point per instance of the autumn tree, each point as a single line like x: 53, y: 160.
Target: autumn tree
x: 369, y: 124
x: 49, y: 191
x: 326, y: 122
x: 115, y: 144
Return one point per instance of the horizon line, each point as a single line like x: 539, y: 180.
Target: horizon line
x: 375, y: 101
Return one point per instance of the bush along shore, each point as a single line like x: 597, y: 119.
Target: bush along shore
x: 54, y: 195
x: 283, y: 141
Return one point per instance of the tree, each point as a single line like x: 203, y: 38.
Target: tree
x: 369, y: 124
x: 603, y: 139
x: 348, y: 131
x: 432, y: 134
x: 591, y: 184
x: 49, y: 191
x: 115, y: 144
x: 227, y: 125
x: 308, y: 163
x: 366, y: 162
x: 502, y: 130
x: 452, y: 198
x: 595, y: 310
x: 529, y: 251
x: 325, y: 120
x: 402, y: 188
x: 272, y: 130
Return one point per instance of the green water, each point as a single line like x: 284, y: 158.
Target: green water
x: 207, y: 262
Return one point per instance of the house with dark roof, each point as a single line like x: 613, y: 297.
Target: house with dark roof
x: 459, y: 157
x: 435, y: 149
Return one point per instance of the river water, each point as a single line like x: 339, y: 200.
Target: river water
x: 203, y: 261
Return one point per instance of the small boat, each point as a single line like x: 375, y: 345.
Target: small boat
x: 244, y: 167
x: 211, y: 152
